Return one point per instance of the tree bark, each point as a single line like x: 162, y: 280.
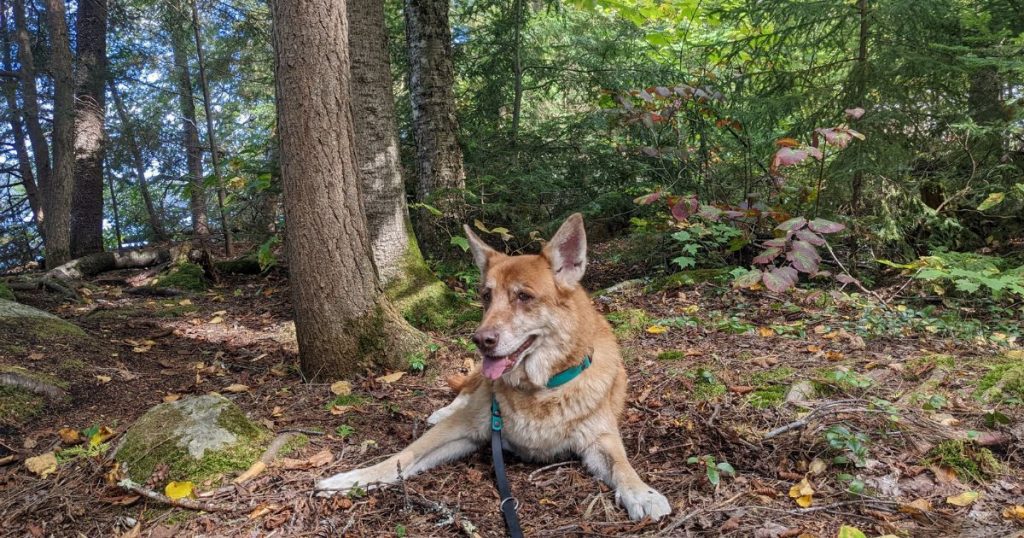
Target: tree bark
x: 373, y: 114
x: 211, y: 135
x: 190, y: 134
x: 90, y: 128
x: 114, y: 210
x: 128, y: 131
x: 57, y: 195
x: 343, y: 321
x: 441, y: 178
x: 28, y: 180
x: 30, y: 98
x: 517, y: 70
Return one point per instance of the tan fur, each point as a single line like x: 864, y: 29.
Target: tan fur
x: 579, y: 418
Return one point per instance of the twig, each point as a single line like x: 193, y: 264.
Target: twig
x: 190, y: 504
x: 266, y: 459
x: 686, y: 517
x: 534, y: 474
x: 854, y: 280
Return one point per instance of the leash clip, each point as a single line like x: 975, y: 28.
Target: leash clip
x: 503, y: 501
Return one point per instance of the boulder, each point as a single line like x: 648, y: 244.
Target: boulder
x: 198, y: 438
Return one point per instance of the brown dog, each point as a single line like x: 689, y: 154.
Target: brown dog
x: 538, y: 323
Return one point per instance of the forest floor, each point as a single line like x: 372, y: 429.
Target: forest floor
x: 898, y: 424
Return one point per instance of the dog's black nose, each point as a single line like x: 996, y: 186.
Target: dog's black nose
x: 485, y: 340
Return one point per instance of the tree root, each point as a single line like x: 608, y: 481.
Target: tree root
x: 14, y: 379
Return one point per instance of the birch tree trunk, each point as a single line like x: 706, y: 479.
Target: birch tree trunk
x: 90, y: 128
x: 343, y: 320
x: 440, y: 177
x: 57, y: 195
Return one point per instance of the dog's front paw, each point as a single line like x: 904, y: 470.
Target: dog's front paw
x: 642, y: 502
x: 341, y: 483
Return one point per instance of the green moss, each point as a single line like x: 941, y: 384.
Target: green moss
x: 6, y: 293
x: 689, y: 277
x: 296, y: 442
x: 42, y: 377
x: 17, y: 405
x: 184, y: 276
x: 1004, y: 382
x: 347, y: 399
x: 246, y: 265
x: 706, y: 385
x: 629, y: 323
x: 926, y: 362
x: 423, y: 300
x: 72, y: 365
x: 965, y: 458
x: 765, y: 397
x: 38, y: 330
x: 174, y: 310
x: 673, y: 355
x: 775, y: 375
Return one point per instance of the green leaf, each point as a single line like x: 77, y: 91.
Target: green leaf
x: 460, y: 242
x: 692, y: 459
x: 993, y: 200
x: 726, y: 468
x: 685, y: 261
x: 430, y: 209
x: 746, y: 279
x: 713, y: 476
x: 847, y: 531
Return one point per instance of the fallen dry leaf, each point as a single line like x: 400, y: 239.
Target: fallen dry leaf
x: 276, y: 411
x: 834, y: 356
x: 172, y: 398
x: 657, y: 329
x: 35, y: 356
x: 340, y: 409
x: 69, y: 436
x: 133, y: 532
x: 1014, y: 513
x: 250, y: 473
x: 813, y: 348
x: 103, y: 378
x: 320, y: 458
x: 184, y: 302
x: 918, y: 506
x: 802, y: 493
x: 236, y: 388
x: 765, y: 331
x: 341, y: 388
x: 390, y: 378
x: 964, y: 499
x: 817, y: 466
x: 42, y: 465
x: 179, y: 490
x: 215, y: 320
x: 741, y: 389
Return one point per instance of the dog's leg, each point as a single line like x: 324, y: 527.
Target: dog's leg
x: 453, y: 438
x: 606, y: 458
x: 460, y: 401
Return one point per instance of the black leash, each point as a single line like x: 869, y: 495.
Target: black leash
x: 509, y: 504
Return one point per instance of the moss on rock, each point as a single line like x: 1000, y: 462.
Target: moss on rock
x: 423, y: 300
x: 17, y: 405
x: 6, y: 293
x: 22, y: 327
x: 199, y: 438
x: 184, y: 276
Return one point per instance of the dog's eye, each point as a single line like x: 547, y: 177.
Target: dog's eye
x: 523, y: 296
x: 485, y: 295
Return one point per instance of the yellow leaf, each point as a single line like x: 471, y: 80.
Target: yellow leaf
x: 185, y: 302
x: 100, y: 436
x: 847, y: 531
x: 834, y: 356
x: 813, y: 348
x: 69, y: 436
x: 657, y: 329
x: 802, y: 493
x: 691, y: 310
x: 277, y: 411
x: 340, y: 409
x: 236, y: 388
x: 817, y: 466
x: 390, y: 378
x: 964, y: 499
x: 42, y: 465
x: 215, y: 320
x: 918, y: 506
x: 103, y: 378
x: 341, y: 388
x: 1015, y: 513
x: 178, y: 490
x: 766, y: 331
x: 172, y: 398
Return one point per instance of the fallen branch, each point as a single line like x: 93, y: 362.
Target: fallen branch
x: 190, y: 504
x: 101, y: 262
x: 266, y: 459
x: 152, y: 291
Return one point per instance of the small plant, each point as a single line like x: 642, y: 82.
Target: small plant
x: 265, y: 254
x: 854, y: 485
x: 712, y: 469
x: 846, y: 379
x: 794, y: 250
x: 417, y: 361
x: 344, y: 431
x: 852, y: 446
x: 934, y: 403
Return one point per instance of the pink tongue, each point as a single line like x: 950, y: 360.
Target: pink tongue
x: 493, y: 368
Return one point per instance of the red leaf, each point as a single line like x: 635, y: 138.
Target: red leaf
x: 776, y: 281
x: 662, y: 91
x: 815, y: 152
x: 767, y: 256
x: 777, y: 242
x: 789, y: 273
x: 810, y: 237
x: 823, y: 226
x: 649, y: 199
x: 804, y: 246
x: 854, y: 113
x: 646, y: 96
x: 792, y: 224
x: 788, y: 157
x: 803, y: 261
x: 685, y: 207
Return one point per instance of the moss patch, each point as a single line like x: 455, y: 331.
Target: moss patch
x: 184, y: 276
x: 629, y: 322
x: 689, y: 277
x: 17, y: 405
x: 6, y: 293
x: 966, y: 458
x: 1004, y: 383
x: 765, y: 397
x: 706, y: 385
x: 423, y: 300
x: 673, y: 355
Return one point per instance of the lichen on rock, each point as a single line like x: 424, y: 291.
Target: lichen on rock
x: 198, y: 438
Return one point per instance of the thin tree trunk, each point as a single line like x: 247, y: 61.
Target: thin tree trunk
x: 373, y: 113
x: 90, y: 128
x: 857, y: 194
x: 113, y: 207
x: 30, y: 98
x: 57, y: 195
x: 517, y: 70
x: 343, y: 320
x: 28, y: 180
x: 127, y: 129
x: 441, y: 179
x: 190, y: 136
x: 210, y: 133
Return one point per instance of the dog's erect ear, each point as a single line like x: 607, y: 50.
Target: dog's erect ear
x: 567, y: 251
x: 482, y: 254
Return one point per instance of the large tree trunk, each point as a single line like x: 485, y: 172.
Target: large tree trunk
x: 28, y: 180
x: 211, y: 135
x: 190, y: 134
x: 57, y: 195
x: 373, y: 114
x: 343, y: 320
x: 128, y: 131
x: 90, y: 129
x: 441, y: 178
x: 30, y: 98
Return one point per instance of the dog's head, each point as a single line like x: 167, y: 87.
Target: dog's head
x: 528, y: 321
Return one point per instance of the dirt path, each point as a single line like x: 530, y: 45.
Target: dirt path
x: 894, y: 418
